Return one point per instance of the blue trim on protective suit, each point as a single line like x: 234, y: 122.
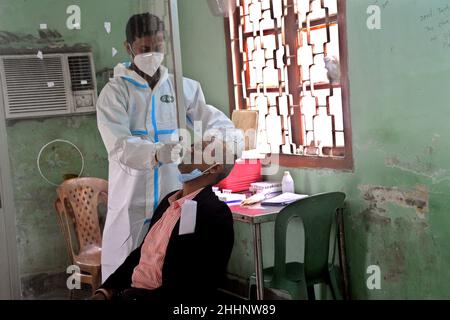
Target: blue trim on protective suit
x: 170, y: 131
x: 137, y: 84
x: 139, y: 133
x: 156, y: 139
x: 155, y: 170
x: 190, y: 120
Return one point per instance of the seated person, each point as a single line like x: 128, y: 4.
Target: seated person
x: 172, y: 266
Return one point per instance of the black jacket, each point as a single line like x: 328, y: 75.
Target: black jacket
x: 195, y: 264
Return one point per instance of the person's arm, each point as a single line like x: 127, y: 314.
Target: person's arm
x: 120, y: 279
x: 196, y: 269
x: 211, y: 118
x: 114, y: 126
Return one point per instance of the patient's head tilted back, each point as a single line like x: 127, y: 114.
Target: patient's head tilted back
x: 207, y: 163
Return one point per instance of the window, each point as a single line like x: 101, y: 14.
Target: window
x: 279, y: 53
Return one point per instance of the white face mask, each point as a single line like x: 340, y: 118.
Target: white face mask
x: 148, y: 62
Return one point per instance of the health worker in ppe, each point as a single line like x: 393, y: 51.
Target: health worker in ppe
x: 137, y: 119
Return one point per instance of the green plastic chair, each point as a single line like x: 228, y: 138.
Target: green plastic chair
x: 318, y: 215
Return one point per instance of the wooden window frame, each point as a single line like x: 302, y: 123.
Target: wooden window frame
x: 235, y: 94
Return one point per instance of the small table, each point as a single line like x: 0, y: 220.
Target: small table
x: 255, y: 215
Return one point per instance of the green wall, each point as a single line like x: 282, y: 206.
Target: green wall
x: 22, y: 16
x: 397, y: 214
x: 203, y: 51
x: 398, y: 194
x: 41, y: 248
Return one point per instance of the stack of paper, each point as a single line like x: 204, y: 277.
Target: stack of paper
x: 284, y: 199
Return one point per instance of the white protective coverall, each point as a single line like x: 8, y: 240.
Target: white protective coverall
x: 134, y: 121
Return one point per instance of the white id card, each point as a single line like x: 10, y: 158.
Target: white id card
x: 188, y: 217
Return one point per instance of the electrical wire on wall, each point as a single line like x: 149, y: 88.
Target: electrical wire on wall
x: 54, y: 163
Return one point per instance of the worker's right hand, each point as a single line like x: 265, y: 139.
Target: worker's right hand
x: 169, y: 153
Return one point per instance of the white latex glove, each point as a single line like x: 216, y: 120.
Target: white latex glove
x: 170, y: 153
x: 256, y: 198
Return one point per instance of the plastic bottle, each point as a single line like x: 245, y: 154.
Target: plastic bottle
x: 287, y: 184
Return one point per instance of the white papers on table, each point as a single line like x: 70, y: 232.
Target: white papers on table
x: 284, y: 199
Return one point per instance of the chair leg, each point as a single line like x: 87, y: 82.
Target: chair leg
x: 97, y: 279
x: 251, y: 291
x: 297, y: 291
x: 251, y: 288
x: 311, y: 293
x: 95, y: 283
x: 70, y: 294
x: 334, y: 285
x: 333, y: 291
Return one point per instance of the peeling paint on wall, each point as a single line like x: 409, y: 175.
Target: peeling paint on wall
x: 49, y: 41
x: 45, y: 37
x: 374, y: 216
x: 395, y: 262
x: 417, y: 199
x: 420, y: 169
x: 74, y: 122
x: 423, y: 164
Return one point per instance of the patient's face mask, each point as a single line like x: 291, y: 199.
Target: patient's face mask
x: 194, y: 174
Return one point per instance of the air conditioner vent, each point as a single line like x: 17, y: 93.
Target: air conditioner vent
x: 54, y: 84
x: 80, y: 73
x: 34, y: 85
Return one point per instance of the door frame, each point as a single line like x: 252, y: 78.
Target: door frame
x: 8, y: 218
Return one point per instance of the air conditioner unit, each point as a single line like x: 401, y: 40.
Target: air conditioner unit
x: 56, y: 84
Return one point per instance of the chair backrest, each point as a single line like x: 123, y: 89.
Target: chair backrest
x: 78, y: 200
x: 247, y: 121
x: 317, y: 213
